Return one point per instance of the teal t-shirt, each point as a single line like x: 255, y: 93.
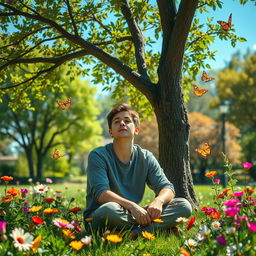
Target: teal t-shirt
x: 106, y: 172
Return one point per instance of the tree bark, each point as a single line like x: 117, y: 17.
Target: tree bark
x: 39, y: 166
x: 29, y: 155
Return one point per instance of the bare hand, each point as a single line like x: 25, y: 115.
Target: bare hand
x: 155, y: 209
x: 140, y: 214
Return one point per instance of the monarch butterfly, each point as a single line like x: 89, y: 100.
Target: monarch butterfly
x: 226, y: 25
x: 199, y: 92
x: 205, y: 151
x: 64, y: 104
x: 56, y: 155
x: 206, y: 78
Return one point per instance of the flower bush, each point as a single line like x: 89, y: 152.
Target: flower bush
x: 228, y: 228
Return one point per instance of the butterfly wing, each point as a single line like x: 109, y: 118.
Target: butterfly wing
x: 62, y: 105
x: 68, y: 103
x: 207, y: 148
x: 230, y: 20
x: 201, y: 152
x: 56, y: 154
x: 206, y: 78
x: 199, y: 92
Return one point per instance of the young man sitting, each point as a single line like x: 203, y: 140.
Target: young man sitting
x: 117, y: 174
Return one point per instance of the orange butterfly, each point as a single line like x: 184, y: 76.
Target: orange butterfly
x: 205, y: 151
x: 199, y: 92
x: 56, y: 155
x: 64, y: 104
x: 226, y: 25
x: 206, y: 78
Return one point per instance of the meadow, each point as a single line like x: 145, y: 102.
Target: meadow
x: 46, y: 219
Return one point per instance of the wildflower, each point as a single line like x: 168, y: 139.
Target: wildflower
x: 191, y: 223
x: 48, y: 180
x: 37, y: 220
x: 23, y: 191
x: 35, y: 208
x: 75, y: 209
x: 3, y: 227
x: 51, y: 210
x: 191, y: 242
x: 87, y: 240
x: 231, y: 230
x: 62, y: 223
x: 88, y: 219
x: 6, y: 178
x: 205, y: 231
x: 211, y: 174
x: 25, y: 208
x: 7, y: 199
x: 68, y: 233
x: 215, y: 225
x: 221, y: 240
x: 148, y: 235
x: 158, y: 221
x: 248, y: 191
x: 251, y: 226
x: 23, y: 241
x: 238, y: 194
x: 181, y: 220
x: 30, y: 180
x: 231, y: 211
x: 49, y: 200
x: 36, y: 243
x: 184, y: 252
x: 232, y: 202
x: 41, y: 189
x: 76, y: 245
x: 231, y: 249
x: 247, y: 165
x: 217, y: 181
x: 13, y: 191
x: 239, y: 219
x: 215, y: 215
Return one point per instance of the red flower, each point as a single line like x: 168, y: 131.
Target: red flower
x: 191, y: 223
x: 226, y: 191
x: 6, y: 178
x: 13, y: 191
x: 204, y: 208
x: 221, y: 195
x: 49, y: 200
x: 37, y: 220
x: 215, y: 215
x: 75, y: 209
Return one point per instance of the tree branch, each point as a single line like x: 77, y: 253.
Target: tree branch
x: 71, y: 17
x: 13, y: 137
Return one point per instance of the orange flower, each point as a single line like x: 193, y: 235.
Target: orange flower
x: 13, y: 191
x: 114, y: 238
x: 36, y: 243
x: 75, y: 209
x: 6, y: 178
x: 148, y: 235
x: 158, y: 220
x: 49, y: 200
x: 37, y: 220
x: 191, y: 223
x: 68, y: 233
x: 51, y: 210
x: 215, y: 215
x: 7, y: 199
x: 184, y: 252
x: 76, y: 245
x: 226, y: 191
x: 210, y: 174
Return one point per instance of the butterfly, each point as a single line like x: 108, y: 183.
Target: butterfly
x: 205, y: 151
x: 199, y: 92
x: 64, y: 104
x: 56, y: 155
x: 226, y: 25
x: 206, y: 78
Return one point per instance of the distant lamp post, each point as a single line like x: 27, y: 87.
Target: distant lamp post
x: 224, y: 109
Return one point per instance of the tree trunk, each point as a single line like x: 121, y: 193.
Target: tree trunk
x: 39, y: 166
x: 29, y: 156
x: 174, y: 128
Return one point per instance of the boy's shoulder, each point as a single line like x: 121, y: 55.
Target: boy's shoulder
x: 102, y: 150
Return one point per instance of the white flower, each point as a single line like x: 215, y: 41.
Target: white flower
x: 87, y: 240
x: 191, y: 242
x: 205, y: 231
x: 181, y: 220
x: 22, y: 240
x: 215, y: 225
x: 41, y: 189
x: 231, y: 230
x: 200, y: 237
x: 231, y: 249
x: 30, y: 180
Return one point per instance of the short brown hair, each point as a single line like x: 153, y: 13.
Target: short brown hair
x: 120, y: 108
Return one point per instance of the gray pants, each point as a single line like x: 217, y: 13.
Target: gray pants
x: 116, y: 217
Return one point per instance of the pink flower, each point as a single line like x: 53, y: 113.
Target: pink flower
x: 251, y: 226
x: 238, y: 194
x: 3, y: 226
x: 221, y: 240
x: 239, y: 219
x: 231, y: 211
x: 247, y: 165
x: 48, y: 180
x: 217, y: 181
x: 61, y: 223
x: 231, y: 202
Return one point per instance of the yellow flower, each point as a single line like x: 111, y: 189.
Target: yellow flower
x: 51, y: 210
x: 211, y: 174
x: 35, y: 208
x: 148, y: 235
x: 68, y: 233
x: 76, y: 245
x: 158, y: 220
x: 36, y: 243
x: 88, y: 219
x: 114, y: 238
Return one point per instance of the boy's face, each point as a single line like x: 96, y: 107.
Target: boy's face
x: 122, y: 126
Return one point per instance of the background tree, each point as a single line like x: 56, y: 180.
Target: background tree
x: 41, y: 131
x: 116, y: 34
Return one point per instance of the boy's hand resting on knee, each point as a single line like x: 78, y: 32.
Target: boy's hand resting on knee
x: 155, y: 209
x: 140, y: 214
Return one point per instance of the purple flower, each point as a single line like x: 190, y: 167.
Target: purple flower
x: 23, y: 191
x: 251, y: 226
x: 25, y: 202
x: 3, y: 226
x: 217, y: 181
x: 231, y: 202
x: 247, y: 165
x: 221, y: 240
x: 25, y: 208
x: 17, y: 182
x: 231, y: 211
